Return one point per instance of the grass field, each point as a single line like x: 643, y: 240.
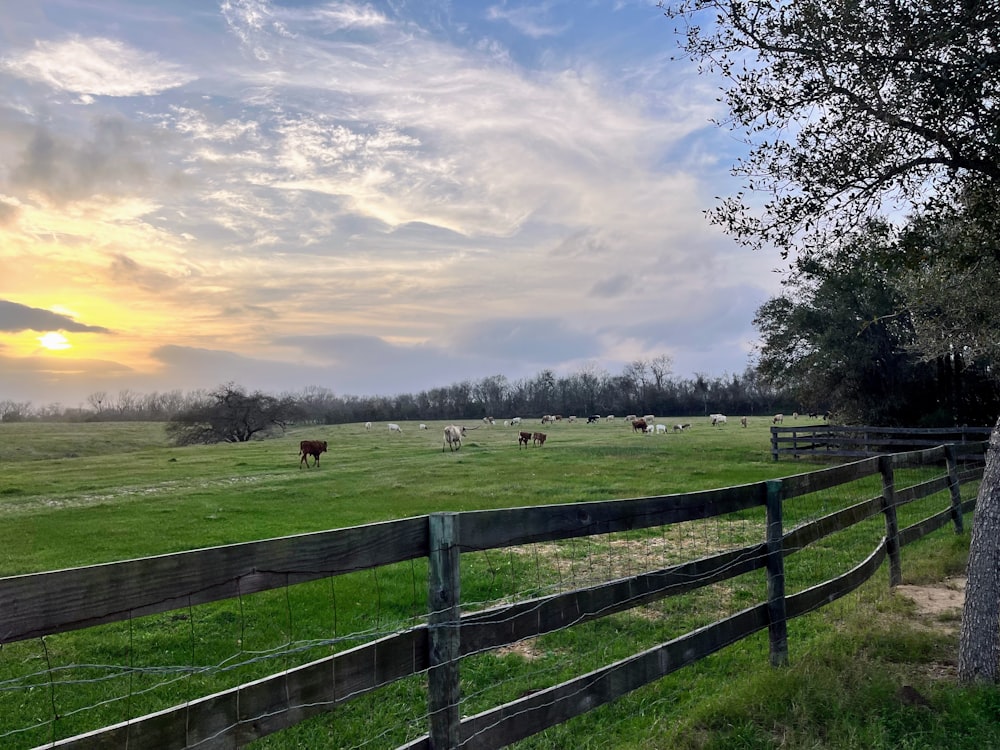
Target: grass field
x: 77, y: 494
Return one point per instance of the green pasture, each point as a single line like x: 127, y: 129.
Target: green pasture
x: 78, y: 494
x: 75, y: 494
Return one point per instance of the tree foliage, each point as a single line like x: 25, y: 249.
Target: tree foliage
x: 230, y: 415
x: 849, y: 106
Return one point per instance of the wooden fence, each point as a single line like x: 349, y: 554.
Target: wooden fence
x: 38, y: 604
x: 835, y: 441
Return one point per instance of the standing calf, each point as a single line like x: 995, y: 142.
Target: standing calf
x: 522, y: 439
x: 311, y: 448
x: 538, y: 438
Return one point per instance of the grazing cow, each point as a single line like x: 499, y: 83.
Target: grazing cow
x: 546, y: 418
x: 453, y: 435
x: 538, y: 438
x: 423, y: 426
x: 649, y: 429
x: 311, y: 448
x: 489, y: 421
x: 631, y: 417
x: 661, y: 428
x: 681, y: 426
x: 795, y: 415
x: 515, y: 421
x: 593, y: 418
x: 610, y: 418
x: 571, y: 418
x: 649, y: 418
x: 743, y: 421
x: 718, y: 420
x: 395, y: 428
x: 778, y: 419
x: 638, y: 425
x: 368, y: 425
x: 522, y: 439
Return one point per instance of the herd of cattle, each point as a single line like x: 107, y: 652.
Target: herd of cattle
x: 453, y: 434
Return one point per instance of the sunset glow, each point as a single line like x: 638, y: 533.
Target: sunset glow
x: 366, y: 196
x: 55, y: 341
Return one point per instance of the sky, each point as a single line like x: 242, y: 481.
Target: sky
x: 372, y: 198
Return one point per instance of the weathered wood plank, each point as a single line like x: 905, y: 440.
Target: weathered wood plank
x: 232, y: 718
x: 915, y: 531
x: 513, y: 721
x: 831, y: 590
x: 42, y: 603
x: 501, y: 626
x: 813, y: 531
x: 824, y: 479
x: 921, y: 490
x: 506, y: 527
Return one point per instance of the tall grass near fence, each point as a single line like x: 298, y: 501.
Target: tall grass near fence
x: 191, y: 651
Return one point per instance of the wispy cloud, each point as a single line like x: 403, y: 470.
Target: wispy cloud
x: 95, y: 66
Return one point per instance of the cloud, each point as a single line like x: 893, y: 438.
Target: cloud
x: 95, y: 66
x: 17, y: 317
x: 66, y: 168
x: 530, y: 20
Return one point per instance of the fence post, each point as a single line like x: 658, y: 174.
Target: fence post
x: 777, y: 620
x: 891, y: 522
x: 954, y: 488
x: 774, y: 442
x: 443, y: 626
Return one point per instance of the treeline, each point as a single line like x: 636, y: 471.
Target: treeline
x: 643, y: 387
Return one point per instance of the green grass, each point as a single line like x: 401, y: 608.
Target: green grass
x: 77, y: 494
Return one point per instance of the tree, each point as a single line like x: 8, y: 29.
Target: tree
x: 836, y: 337
x: 852, y: 107
x: 848, y: 105
x: 229, y: 414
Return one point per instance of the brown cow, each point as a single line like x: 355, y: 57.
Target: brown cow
x: 311, y: 448
x: 538, y: 438
x: 638, y: 425
x: 522, y: 439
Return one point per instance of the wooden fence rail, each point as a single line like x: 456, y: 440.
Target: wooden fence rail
x: 45, y: 603
x: 836, y: 441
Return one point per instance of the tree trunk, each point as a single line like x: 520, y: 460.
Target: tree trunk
x: 979, y: 643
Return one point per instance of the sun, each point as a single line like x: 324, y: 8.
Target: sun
x: 53, y: 340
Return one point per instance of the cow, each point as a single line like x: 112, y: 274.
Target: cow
x: 661, y: 428
x: 718, y: 420
x: 538, y: 438
x: 395, y: 428
x: 422, y: 426
x: 593, y: 418
x: 638, y: 425
x: 743, y: 421
x: 453, y: 435
x: 515, y: 421
x: 679, y: 427
x: 522, y: 439
x: 368, y: 425
x: 311, y: 448
x: 778, y: 419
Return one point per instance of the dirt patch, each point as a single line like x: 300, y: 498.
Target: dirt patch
x: 939, y: 605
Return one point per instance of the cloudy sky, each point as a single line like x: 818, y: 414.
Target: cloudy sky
x: 374, y: 198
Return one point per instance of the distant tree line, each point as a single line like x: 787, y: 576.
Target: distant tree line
x: 644, y: 386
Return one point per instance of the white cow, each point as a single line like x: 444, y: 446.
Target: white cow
x: 661, y: 428
x: 453, y: 435
x: 718, y: 420
x: 423, y: 426
x: 368, y: 425
x: 395, y: 428
x: 515, y: 421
